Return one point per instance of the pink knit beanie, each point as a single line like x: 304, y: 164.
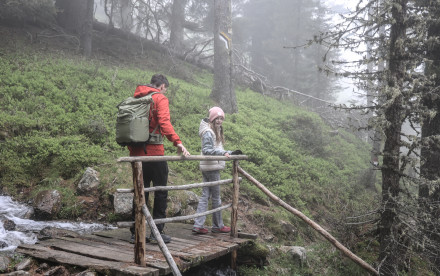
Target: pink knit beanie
x: 215, y: 112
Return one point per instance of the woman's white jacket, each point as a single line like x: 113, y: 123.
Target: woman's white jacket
x: 210, y: 147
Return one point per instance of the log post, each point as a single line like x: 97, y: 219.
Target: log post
x: 234, y: 211
x: 236, y: 191
x: 140, y: 227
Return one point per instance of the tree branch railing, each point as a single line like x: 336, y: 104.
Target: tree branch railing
x: 313, y: 224
x: 180, y: 187
x: 143, y: 216
x: 179, y: 218
x: 142, y: 213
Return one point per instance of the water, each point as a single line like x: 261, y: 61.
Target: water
x: 217, y: 267
x: 26, y: 230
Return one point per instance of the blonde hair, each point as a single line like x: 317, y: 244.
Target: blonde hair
x: 219, y: 136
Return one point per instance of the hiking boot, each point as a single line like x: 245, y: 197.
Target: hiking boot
x: 200, y: 230
x: 224, y: 229
x: 165, y: 238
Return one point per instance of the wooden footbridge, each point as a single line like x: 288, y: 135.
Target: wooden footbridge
x: 110, y: 253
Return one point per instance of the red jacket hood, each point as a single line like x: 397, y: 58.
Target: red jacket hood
x: 143, y: 90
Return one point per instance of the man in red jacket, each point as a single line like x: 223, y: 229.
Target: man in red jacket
x: 160, y: 125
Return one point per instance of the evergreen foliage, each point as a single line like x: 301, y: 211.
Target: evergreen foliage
x: 397, y: 69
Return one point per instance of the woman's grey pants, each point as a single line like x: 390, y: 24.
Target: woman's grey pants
x: 213, y: 193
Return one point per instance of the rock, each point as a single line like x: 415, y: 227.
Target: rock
x: 88, y: 207
x: 254, y: 254
x: 9, y: 225
x: 288, y: 228
x: 24, y: 264
x: 57, y: 271
x: 89, y: 182
x: 4, y: 263
x: 192, y: 199
x: 269, y: 238
x: 43, y: 267
x: 298, y: 253
x: 174, y: 209
x: 47, y: 204
x: 3, y: 244
x: 51, y: 232
x: 29, y: 214
x: 123, y: 203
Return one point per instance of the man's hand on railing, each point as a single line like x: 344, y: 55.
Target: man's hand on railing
x: 182, y: 150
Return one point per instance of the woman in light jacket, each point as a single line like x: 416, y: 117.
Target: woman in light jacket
x: 211, y: 133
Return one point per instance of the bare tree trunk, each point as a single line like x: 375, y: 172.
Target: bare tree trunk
x: 223, y: 91
x: 88, y: 29
x: 392, y: 251
x: 296, y: 54
x: 109, y: 13
x: 176, y: 25
x: 430, y: 150
x: 69, y: 14
x: 77, y: 17
x: 373, y: 133
x: 126, y: 15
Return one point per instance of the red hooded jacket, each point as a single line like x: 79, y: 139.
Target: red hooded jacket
x: 159, y: 114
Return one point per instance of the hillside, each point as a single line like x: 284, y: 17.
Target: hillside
x: 58, y: 114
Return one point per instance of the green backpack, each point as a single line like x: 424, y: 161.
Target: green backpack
x: 132, y: 122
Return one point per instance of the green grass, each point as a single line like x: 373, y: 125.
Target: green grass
x: 58, y: 114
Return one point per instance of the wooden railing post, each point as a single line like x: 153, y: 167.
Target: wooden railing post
x: 139, y: 202
x: 234, y: 211
x: 236, y: 191
x: 140, y: 227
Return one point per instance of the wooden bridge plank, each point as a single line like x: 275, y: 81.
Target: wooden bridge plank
x: 112, y: 250
x: 104, y: 246
x: 101, y: 266
x: 175, y: 250
x: 109, y: 254
x: 154, y: 259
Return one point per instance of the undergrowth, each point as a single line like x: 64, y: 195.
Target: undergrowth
x: 58, y: 117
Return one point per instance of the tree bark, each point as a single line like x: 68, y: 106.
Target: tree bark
x: 77, y: 17
x: 392, y: 250
x: 177, y: 25
x: 430, y: 150
x: 88, y: 29
x: 126, y: 15
x: 223, y: 91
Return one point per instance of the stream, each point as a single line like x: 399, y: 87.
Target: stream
x: 26, y: 230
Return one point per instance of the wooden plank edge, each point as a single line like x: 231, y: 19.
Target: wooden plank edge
x: 101, y: 266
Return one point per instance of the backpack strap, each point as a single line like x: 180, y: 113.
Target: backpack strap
x: 157, y: 126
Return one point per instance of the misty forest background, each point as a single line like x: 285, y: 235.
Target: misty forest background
x: 368, y: 171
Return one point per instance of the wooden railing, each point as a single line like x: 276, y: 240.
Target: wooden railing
x: 142, y: 214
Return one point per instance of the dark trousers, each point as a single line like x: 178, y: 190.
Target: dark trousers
x: 156, y: 172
